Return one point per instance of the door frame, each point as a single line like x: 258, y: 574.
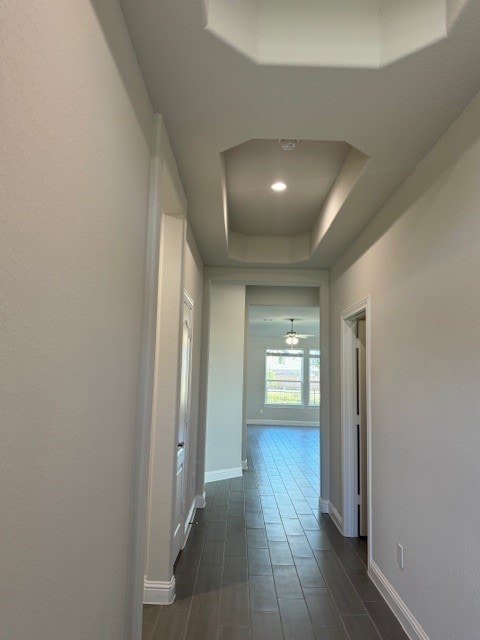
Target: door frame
x: 166, y: 201
x: 349, y: 440
x: 285, y: 277
x: 186, y: 318
x: 187, y: 313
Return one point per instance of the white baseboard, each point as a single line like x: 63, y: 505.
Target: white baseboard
x: 223, y: 474
x: 200, y: 501
x: 324, y: 505
x: 245, y: 464
x: 335, y: 516
x: 188, y: 522
x: 282, y: 423
x: 159, y: 592
x: 410, y: 624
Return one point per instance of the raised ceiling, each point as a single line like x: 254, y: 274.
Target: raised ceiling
x: 273, y: 321
x: 214, y: 96
x: 343, y: 33
x: 309, y: 171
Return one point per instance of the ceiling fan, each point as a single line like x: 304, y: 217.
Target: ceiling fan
x: 292, y: 337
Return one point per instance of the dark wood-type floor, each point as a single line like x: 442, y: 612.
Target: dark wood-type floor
x: 261, y: 563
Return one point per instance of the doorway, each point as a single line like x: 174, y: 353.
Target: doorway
x: 361, y: 425
x: 181, y: 518
x: 356, y: 421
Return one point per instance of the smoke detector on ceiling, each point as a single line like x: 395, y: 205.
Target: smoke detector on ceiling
x: 288, y: 144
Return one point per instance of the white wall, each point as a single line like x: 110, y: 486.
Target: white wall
x: 283, y: 296
x: 75, y: 132
x: 419, y: 260
x: 225, y: 380
x: 160, y: 557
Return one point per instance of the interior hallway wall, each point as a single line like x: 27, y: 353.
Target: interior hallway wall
x: 224, y: 412
x: 419, y: 260
x: 75, y: 131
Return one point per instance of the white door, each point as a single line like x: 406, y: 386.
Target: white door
x: 361, y: 410
x: 183, y: 427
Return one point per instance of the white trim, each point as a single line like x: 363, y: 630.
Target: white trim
x: 200, y: 501
x: 282, y: 423
x: 245, y: 464
x: 410, y: 624
x: 188, y: 521
x: 187, y: 298
x: 324, y: 505
x: 336, y: 517
x: 145, y: 389
x: 349, y: 440
x: 159, y: 592
x: 223, y: 474
x: 188, y: 319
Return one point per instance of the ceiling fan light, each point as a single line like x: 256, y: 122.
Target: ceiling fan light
x: 292, y: 340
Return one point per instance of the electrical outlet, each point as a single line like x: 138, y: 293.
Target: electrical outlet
x: 261, y: 410
x: 400, y: 556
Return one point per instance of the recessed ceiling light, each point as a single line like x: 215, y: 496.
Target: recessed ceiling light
x: 287, y: 144
x: 279, y: 186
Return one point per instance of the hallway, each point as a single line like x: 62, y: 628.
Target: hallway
x: 262, y: 564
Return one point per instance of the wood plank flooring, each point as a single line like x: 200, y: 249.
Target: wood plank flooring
x: 261, y: 562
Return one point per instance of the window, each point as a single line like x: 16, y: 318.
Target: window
x: 314, y: 378
x: 283, y: 377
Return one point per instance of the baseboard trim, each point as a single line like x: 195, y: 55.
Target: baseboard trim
x: 223, y: 474
x: 410, y: 624
x: 324, y: 505
x: 188, y: 522
x: 282, y: 423
x: 335, y: 516
x: 245, y: 464
x: 200, y: 501
x: 159, y: 592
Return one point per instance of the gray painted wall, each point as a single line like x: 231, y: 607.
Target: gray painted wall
x: 75, y: 132
x: 419, y: 260
x: 282, y: 295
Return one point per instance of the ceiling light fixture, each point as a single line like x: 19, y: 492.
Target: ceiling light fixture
x: 288, y: 144
x: 278, y: 186
x: 291, y: 335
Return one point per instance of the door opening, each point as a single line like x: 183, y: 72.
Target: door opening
x: 356, y: 422
x: 181, y: 516
x: 361, y: 426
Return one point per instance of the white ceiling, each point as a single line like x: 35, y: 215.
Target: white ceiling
x: 353, y: 33
x: 274, y: 321
x: 214, y: 96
